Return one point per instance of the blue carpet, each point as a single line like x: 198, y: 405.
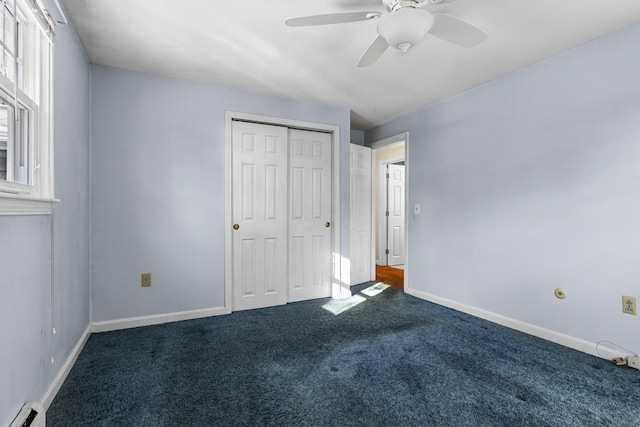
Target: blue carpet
x: 391, y: 360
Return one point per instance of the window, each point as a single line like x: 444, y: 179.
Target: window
x: 26, y: 85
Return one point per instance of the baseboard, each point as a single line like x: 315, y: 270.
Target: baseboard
x: 64, y: 372
x: 546, y: 334
x: 157, y: 319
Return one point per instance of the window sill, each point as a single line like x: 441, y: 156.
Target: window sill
x: 11, y: 204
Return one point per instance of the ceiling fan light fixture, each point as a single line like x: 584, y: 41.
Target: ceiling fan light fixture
x: 404, y: 28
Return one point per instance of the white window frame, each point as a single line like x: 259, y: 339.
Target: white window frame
x: 37, y: 196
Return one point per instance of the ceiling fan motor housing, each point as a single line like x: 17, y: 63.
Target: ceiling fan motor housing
x: 392, y: 5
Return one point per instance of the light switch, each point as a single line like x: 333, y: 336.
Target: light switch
x: 416, y: 209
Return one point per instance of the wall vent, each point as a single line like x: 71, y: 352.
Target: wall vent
x: 31, y: 415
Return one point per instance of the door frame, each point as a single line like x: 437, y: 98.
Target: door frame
x: 404, y: 136
x: 334, y: 130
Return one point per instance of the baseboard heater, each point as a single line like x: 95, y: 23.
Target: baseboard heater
x: 31, y: 415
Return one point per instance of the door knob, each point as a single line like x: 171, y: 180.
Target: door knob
x: 327, y: 224
x: 236, y: 226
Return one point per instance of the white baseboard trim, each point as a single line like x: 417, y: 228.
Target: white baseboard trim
x: 156, y: 319
x: 546, y: 334
x: 64, y: 372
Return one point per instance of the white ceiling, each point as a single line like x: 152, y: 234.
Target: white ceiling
x: 244, y: 44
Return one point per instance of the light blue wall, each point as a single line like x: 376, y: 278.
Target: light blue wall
x: 532, y: 182
x: 27, y: 293
x: 25, y: 265
x: 72, y: 293
x: 158, y: 148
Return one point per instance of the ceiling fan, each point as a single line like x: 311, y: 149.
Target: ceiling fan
x: 403, y: 27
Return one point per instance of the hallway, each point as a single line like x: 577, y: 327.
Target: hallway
x: 391, y: 276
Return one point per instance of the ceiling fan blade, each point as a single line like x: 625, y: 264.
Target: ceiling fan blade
x: 373, y: 52
x: 456, y: 31
x: 332, y: 18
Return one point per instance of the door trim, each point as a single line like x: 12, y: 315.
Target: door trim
x: 334, y: 130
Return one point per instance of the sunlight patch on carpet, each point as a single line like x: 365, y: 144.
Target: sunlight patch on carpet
x: 374, y: 290
x: 337, y: 306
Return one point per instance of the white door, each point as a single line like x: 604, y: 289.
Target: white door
x: 395, y: 218
x: 361, y: 205
x: 310, y: 212
x: 259, y: 195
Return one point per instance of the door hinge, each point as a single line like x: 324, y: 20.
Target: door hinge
x: 386, y: 251
x: 387, y: 213
x: 387, y: 176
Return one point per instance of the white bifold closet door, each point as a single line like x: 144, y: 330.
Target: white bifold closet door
x: 361, y: 215
x: 281, y: 195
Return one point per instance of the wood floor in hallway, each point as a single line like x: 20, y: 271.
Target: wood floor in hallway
x: 393, y: 277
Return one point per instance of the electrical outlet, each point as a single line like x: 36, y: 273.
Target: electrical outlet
x: 146, y: 280
x: 633, y: 362
x: 629, y: 305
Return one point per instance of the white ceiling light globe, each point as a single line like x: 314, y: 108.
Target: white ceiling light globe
x: 404, y: 28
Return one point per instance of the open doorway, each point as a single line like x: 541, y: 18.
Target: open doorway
x: 390, y: 207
